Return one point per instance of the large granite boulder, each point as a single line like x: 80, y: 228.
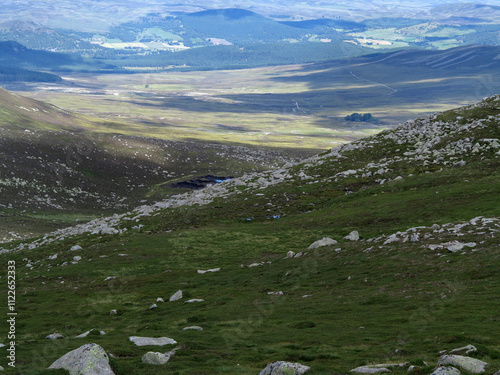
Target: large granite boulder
x: 89, y: 359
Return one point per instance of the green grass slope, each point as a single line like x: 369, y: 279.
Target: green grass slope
x: 422, y: 278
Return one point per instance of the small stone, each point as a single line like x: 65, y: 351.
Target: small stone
x: 85, y: 334
x: 113, y: 312
x: 153, y: 306
x: 144, y: 341
x: 195, y: 328
x: 195, y: 300
x: 210, y: 270
x: 369, y: 370
x: 76, y: 248
x: 176, y: 296
x: 54, y: 336
x: 353, y: 236
x: 77, y: 258
x: 290, y: 255
x: 159, y: 299
x: 155, y: 358
x: 325, y: 241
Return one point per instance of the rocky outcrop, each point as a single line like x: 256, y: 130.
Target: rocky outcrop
x: 89, y: 359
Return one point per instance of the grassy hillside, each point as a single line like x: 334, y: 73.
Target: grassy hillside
x: 421, y: 278
x: 58, y: 168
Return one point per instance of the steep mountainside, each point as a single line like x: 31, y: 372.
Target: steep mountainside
x: 382, y: 251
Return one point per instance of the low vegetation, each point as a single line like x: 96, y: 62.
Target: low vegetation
x: 401, y: 293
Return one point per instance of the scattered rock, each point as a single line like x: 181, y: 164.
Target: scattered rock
x: 155, y: 358
x: 325, y: 241
x: 54, y: 336
x: 279, y: 293
x: 52, y: 257
x: 472, y: 365
x: 144, y: 341
x: 77, y: 258
x: 211, y: 270
x: 284, y: 368
x: 353, y: 236
x: 196, y: 328
x: 176, y: 296
x: 465, y: 350
x: 290, y: 255
x: 89, y: 359
x: 85, y: 334
x: 113, y: 312
x: 195, y: 300
x: 159, y: 299
x: 446, y: 370
x: 153, y: 306
x: 76, y: 248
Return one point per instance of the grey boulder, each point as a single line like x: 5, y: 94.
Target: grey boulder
x: 325, y: 241
x: 176, y: 296
x: 155, y: 358
x: 284, y: 368
x: 469, y: 364
x: 144, y: 341
x: 353, y: 236
x: 446, y: 370
x: 89, y: 359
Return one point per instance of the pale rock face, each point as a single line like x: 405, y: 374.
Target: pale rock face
x: 284, y: 368
x: 89, y: 359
